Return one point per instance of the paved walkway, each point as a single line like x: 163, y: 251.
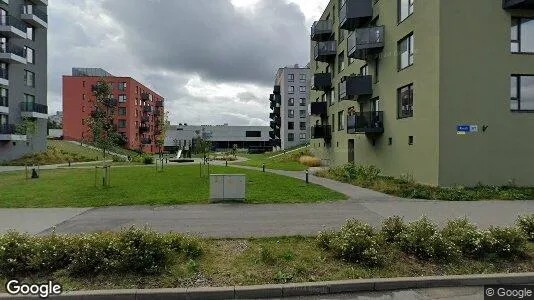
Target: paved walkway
x: 47, y: 167
x: 247, y: 220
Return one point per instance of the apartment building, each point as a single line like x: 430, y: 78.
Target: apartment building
x: 139, y: 110
x: 440, y: 90
x: 289, y: 105
x: 23, y: 77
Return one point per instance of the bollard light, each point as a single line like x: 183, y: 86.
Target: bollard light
x: 263, y: 167
x: 307, y: 176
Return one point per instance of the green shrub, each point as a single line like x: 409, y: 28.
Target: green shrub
x: 464, y: 235
x: 51, y: 253
x: 422, y: 240
x: 267, y: 256
x: 526, y: 224
x: 324, y: 238
x: 455, y: 194
x: 95, y: 253
x: 356, y: 242
x: 118, y: 158
x: 148, y: 159
x: 16, y: 251
x: 142, y: 251
x: 392, y: 228
x: 504, y: 241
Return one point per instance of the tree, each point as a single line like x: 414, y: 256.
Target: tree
x: 100, y: 121
x: 28, y: 127
x: 163, y: 125
x: 202, y: 144
x: 53, y: 125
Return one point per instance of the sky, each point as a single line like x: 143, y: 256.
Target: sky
x: 213, y: 61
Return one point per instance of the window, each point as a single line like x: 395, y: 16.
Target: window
x: 29, y: 98
x: 302, y: 101
x: 351, y: 60
x: 406, y: 51
x: 302, y: 113
x: 302, y: 136
x: 83, y: 83
x: 291, y: 89
x: 291, y: 101
x: 291, y: 113
x: 84, y: 97
x: 410, y: 140
x: 291, y: 77
x: 122, y: 111
x: 122, y: 98
x: 364, y: 70
x: 30, y: 56
x: 122, y: 86
x: 302, y: 125
x: 333, y: 96
x: 333, y: 122
x: 290, y: 136
x: 522, y: 93
x: 341, y: 62
x: 253, y: 134
x: 302, y: 77
x: 29, y: 78
x: 302, y: 89
x: 340, y: 120
x: 405, y: 101
x: 522, y: 35
x: 122, y: 123
x: 405, y: 9
x: 3, y: 97
x: 29, y: 33
x: 290, y: 125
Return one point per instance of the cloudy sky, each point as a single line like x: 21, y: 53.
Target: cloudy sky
x: 213, y: 60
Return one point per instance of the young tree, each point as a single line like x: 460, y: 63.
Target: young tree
x: 100, y: 122
x: 202, y: 144
x: 28, y: 127
x: 161, y: 132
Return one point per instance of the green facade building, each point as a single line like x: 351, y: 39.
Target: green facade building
x: 438, y: 90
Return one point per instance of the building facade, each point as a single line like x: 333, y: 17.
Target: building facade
x: 138, y: 115
x: 289, y: 105
x: 57, y: 118
x: 222, y: 137
x: 23, y: 77
x: 439, y: 90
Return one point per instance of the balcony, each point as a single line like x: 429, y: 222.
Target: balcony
x: 4, y: 79
x: 159, y: 103
x: 321, y: 132
x: 325, y: 51
x: 276, y: 111
x: 157, y: 112
x: 4, y: 105
x: 365, y: 42
x: 10, y: 132
x: 318, y: 108
x: 11, y: 53
x: 275, y: 98
x: 321, y: 81
x: 321, y: 30
x: 145, y: 97
x: 518, y: 4
x: 355, y: 86
x: 12, y: 27
x: 355, y: 13
x: 370, y: 122
x: 272, y: 135
x: 33, y: 110
x: 272, y: 116
x: 145, y: 119
x: 272, y: 124
x: 275, y: 142
x: 143, y: 128
x: 276, y: 89
x: 31, y: 14
x: 146, y: 141
x: 147, y: 109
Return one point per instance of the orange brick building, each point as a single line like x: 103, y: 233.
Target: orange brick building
x: 138, y: 109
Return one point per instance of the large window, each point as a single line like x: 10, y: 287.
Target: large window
x: 291, y: 89
x: 290, y: 125
x: 340, y: 120
x: 30, y: 56
x: 29, y: 78
x: 3, y: 97
x: 291, y: 113
x: 291, y: 101
x: 302, y: 113
x: 29, y: 33
x: 290, y: 136
x: 522, y: 93
x: 122, y: 98
x: 302, y: 125
x: 122, y: 111
x: 405, y: 101
x: 122, y: 123
x: 291, y: 77
x: 406, y: 51
x: 364, y: 70
x: 122, y: 86
x: 405, y: 9
x: 302, y: 137
x: 522, y: 35
x: 302, y: 102
x: 341, y: 62
x: 253, y: 134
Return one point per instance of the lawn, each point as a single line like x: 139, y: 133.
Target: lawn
x: 287, y: 162
x: 144, y: 186
x: 76, y: 148
x: 278, y: 260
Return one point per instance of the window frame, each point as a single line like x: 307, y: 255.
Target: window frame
x: 26, y: 72
x: 125, y: 98
x: 400, y: 114
x: 411, y: 10
x: 518, y: 94
x: 411, y: 53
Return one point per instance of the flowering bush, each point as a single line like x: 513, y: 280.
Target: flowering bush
x: 504, y: 241
x: 16, y: 250
x: 392, y: 228
x: 526, y: 224
x: 465, y: 235
x: 355, y: 242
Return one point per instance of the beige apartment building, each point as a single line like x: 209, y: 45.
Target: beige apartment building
x: 441, y: 90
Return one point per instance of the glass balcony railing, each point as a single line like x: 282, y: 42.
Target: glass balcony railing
x: 4, y: 101
x: 33, y: 107
x: 366, y: 122
x: 13, y: 49
x: 29, y: 9
x: 12, y: 21
x: 321, y: 30
x: 325, y: 51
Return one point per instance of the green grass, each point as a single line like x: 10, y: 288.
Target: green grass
x: 76, y: 148
x: 144, y: 186
x: 287, y: 162
x: 280, y: 260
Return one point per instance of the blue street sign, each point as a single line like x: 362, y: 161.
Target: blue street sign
x: 463, y: 128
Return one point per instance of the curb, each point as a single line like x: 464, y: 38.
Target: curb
x: 297, y: 289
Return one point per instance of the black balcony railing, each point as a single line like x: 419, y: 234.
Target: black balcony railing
x: 13, y: 49
x: 159, y: 103
x: 143, y: 129
x: 34, y: 10
x: 321, y: 132
x: 145, y: 97
x: 272, y: 135
x: 518, y: 4
x: 146, y: 141
x: 145, y: 119
x: 274, y: 142
x: 4, y: 101
x: 322, y: 81
x: 325, y: 51
x: 10, y: 129
x: 272, y: 116
x: 276, y: 111
x: 354, y: 86
x: 318, y: 108
x: 147, y: 109
x: 276, y: 89
x: 321, y: 30
x: 366, y: 122
x: 33, y: 107
x: 365, y: 42
x: 272, y: 124
x: 355, y: 13
x: 12, y: 21
x: 4, y: 74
